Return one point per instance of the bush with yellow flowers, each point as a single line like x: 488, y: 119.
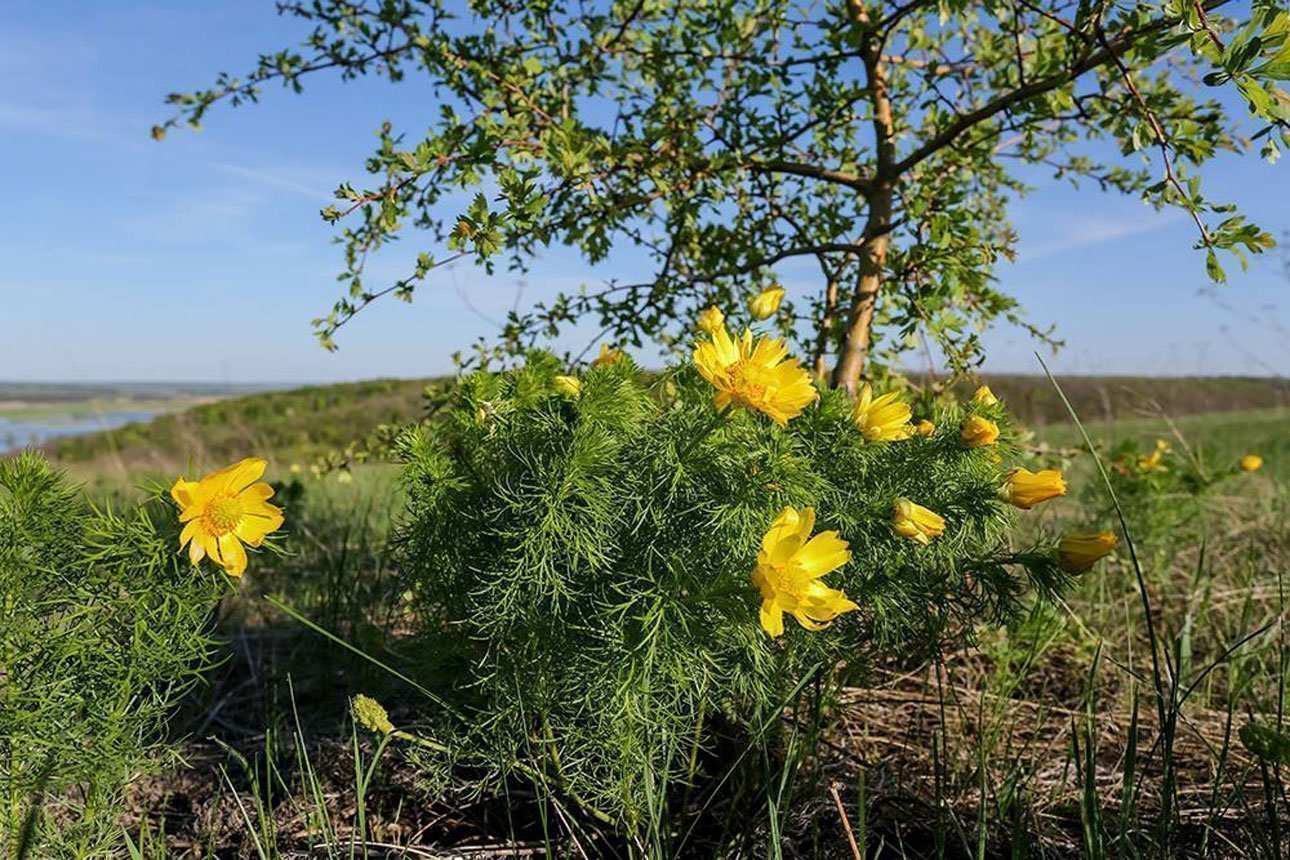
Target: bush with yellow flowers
x: 1166, y: 486
x: 102, y: 627
x: 618, y: 572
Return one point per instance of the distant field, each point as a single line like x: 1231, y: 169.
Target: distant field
x: 1102, y: 398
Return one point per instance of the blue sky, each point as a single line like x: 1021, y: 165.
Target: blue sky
x: 203, y: 257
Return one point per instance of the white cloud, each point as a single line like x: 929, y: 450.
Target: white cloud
x: 1083, y: 232
x: 278, y: 179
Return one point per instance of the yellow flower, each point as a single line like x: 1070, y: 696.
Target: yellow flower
x: 711, y: 320
x: 883, y: 419
x: 766, y: 303
x: 983, y: 396
x: 756, y: 376
x: 370, y: 714
x: 1152, y: 462
x: 1078, y: 552
x: 1025, y: 489
x: 924, y: 428
x: 224, y: 510
x: 916, y: 522
x: 568, y: 385
x: 978, y: 431
x: 296, y: 468
x: 608, y: 355
x: 789, y: 567
x: 1251, y: 463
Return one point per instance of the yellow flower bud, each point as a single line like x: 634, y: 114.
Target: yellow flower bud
x: 1079, y: 551
x: 766, y: 303
x: 568, y: 385
x: 608, y: 355
x: 984, y: 396
x: 369, y: 714
x: 1025, y: 489
x: 924, y: 428
x: 711, y: 320
x: 916, y: 522
x: 1152, y: 462
x: 1251, y: 463
x: 977, y: 431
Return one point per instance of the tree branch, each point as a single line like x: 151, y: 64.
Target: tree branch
x: 1110, y: 51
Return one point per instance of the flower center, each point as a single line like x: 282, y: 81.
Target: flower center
x: 749, y: 381
x: 781, y: 580
x: 222, y: 515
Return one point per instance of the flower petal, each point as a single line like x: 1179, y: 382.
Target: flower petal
x: 784, y: 526
x: 239, y: 476
x: 824, y: 553
x: 230, y: 554
x: 772, y: 618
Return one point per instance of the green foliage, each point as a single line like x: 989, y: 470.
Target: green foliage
x: 102, y: 627
x: 1166, y: 486
x: 718, y: 139
x: 581, y: 568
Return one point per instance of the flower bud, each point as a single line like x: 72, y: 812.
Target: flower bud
x: 977, y: 431
x: 765, y: 304
x: 1079, y: 551
x: 711, y: 320
x: 916, y: 522
x: 1025, y: 489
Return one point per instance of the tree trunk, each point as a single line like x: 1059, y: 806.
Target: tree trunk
x: 854, y: 351
x: 855, y: 344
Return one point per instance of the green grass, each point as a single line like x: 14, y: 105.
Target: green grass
x: 1218, y: 439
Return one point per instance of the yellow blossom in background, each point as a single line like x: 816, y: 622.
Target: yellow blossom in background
x: 983, y: 396
x: 296, y: 468
x: 789, y: 567
x: 977, y: 431
x: 1025, y: 489
x: 1251, y: 463
x: 916, y: 522
x: 881, y: 419
x: 225, y: 510
x: 757, y: 376
x: 608, y: 355
x: 371, y: 715
x: 569, y: 385
x: 1079, y: 551
x: 924, y: 428
x: 711, y: 320
x: 1152, y: 462
x: 766, y: 303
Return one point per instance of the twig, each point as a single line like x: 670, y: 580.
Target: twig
x: 846, y: 825
x: 1161, y: 140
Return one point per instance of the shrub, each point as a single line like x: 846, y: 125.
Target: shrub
x: 101, y: 629
x: 580, y: 556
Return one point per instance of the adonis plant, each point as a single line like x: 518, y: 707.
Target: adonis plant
x: 618, y: 572
x: 103, y: 627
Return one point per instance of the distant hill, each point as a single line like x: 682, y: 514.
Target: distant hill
x: 1103, y: 398
x: 301, y: 424
x: 284, y: 426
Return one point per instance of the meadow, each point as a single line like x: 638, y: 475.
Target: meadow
x: 1111, y: 723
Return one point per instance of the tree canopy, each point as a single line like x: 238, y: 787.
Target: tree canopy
x: 881, y: 142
